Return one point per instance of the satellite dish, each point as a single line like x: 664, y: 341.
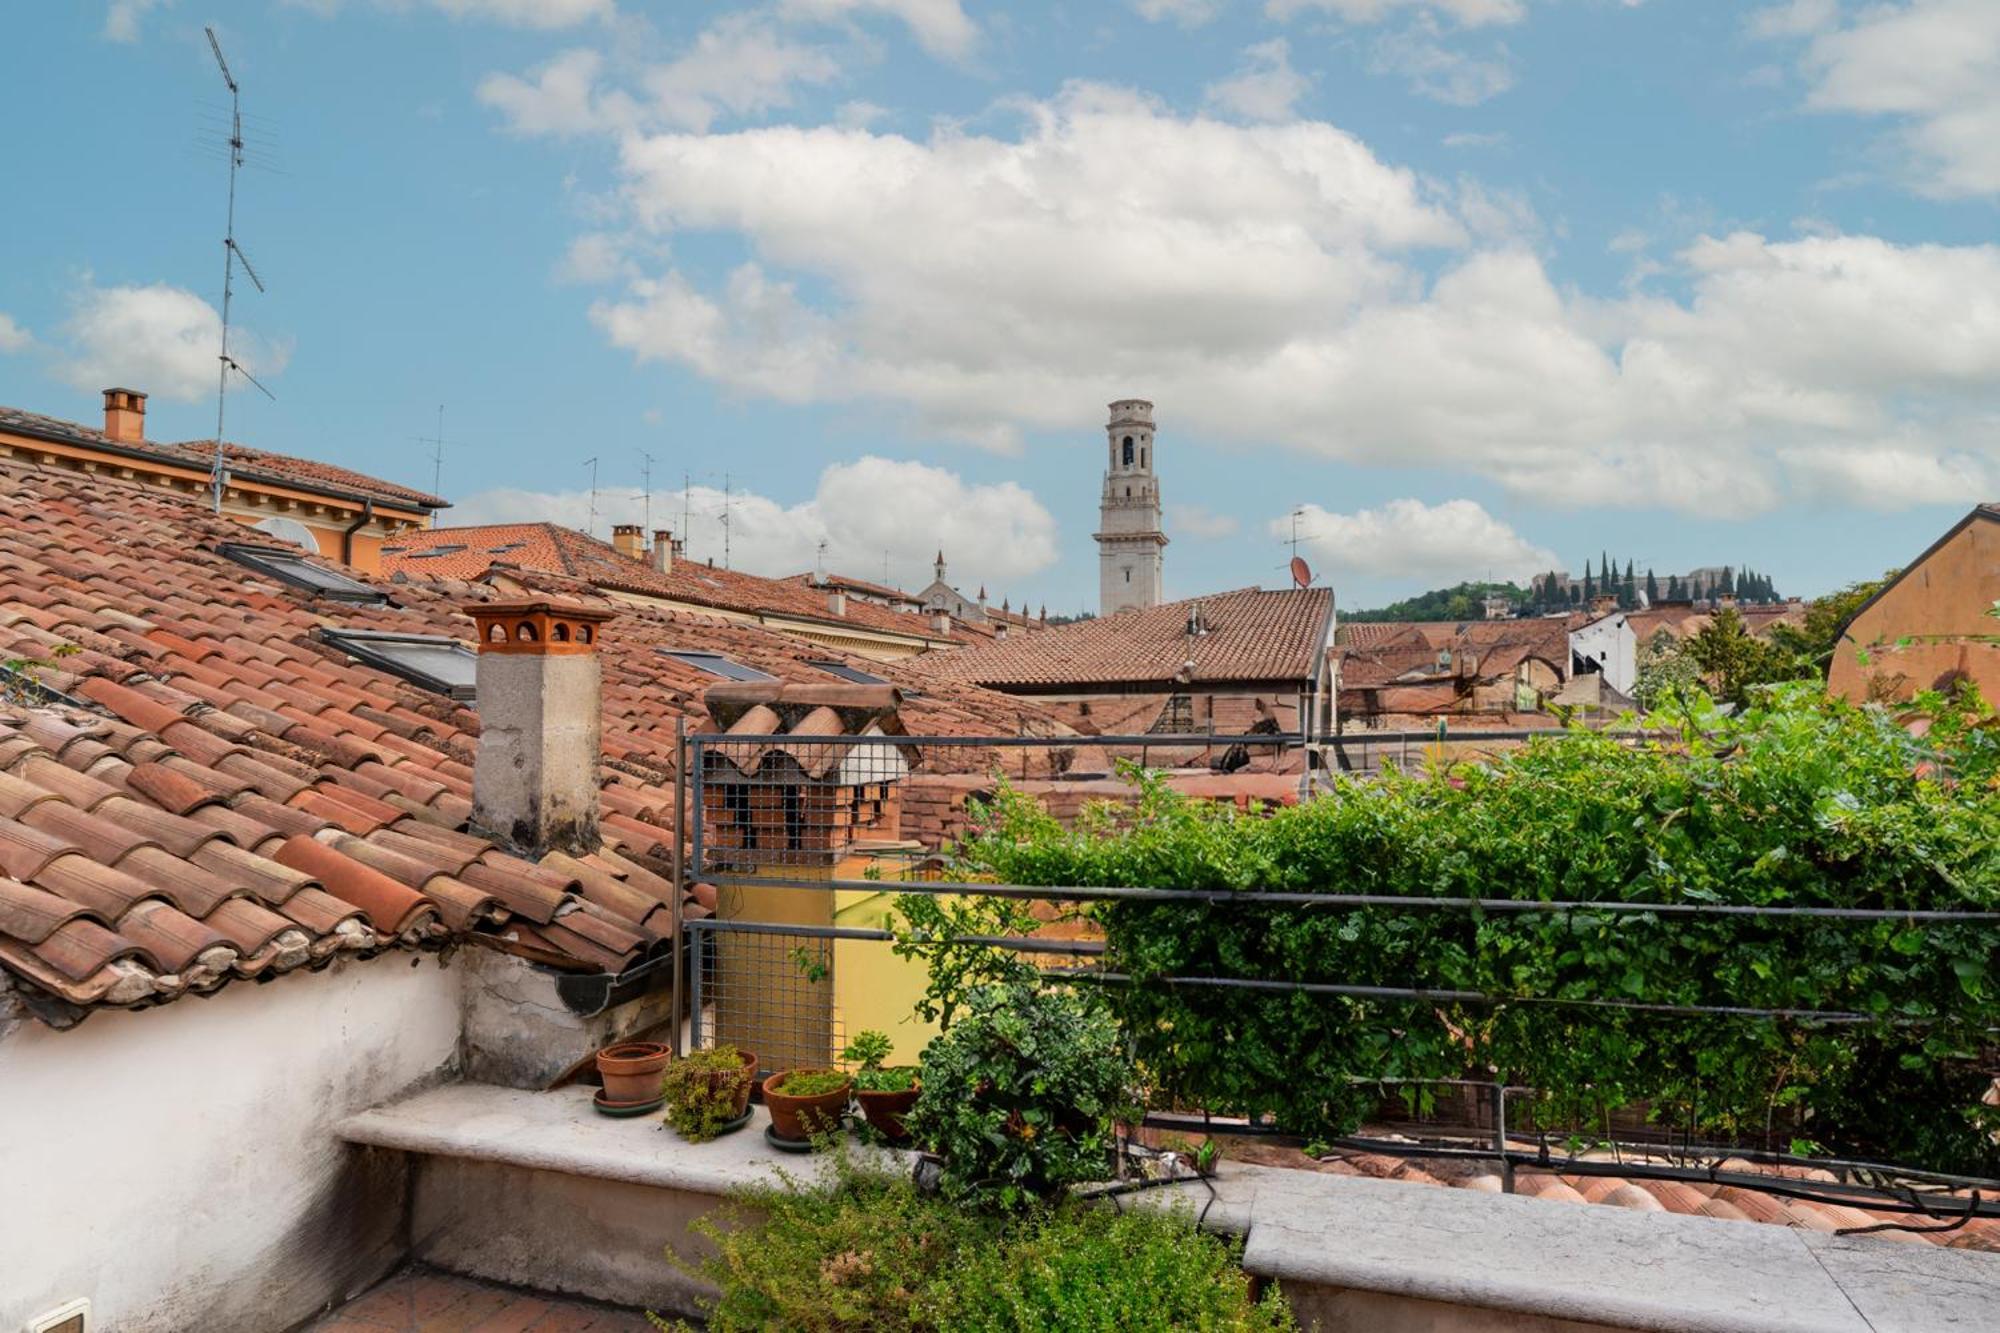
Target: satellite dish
x: 289, y: 530
x: 1301, y: 573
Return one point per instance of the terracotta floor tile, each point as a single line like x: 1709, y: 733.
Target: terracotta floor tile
x: 519, y: 1315
x: 420, y: 1301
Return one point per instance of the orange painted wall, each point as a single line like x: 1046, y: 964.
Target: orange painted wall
x: 1940, y: 606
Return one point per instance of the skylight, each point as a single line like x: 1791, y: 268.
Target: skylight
x: 716, y: 664
x: 291, y: 567
x: 430, y: 661
x: 848, y: 673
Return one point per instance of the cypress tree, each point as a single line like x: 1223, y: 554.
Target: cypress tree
x: 1652, y: 587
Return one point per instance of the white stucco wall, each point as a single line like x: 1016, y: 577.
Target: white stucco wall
x: 178, y: 1166
x: 1610, y: 640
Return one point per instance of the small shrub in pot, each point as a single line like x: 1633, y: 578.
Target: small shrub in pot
x: 708, y: 1089
x: 885, y: 1093
x: 806, y: 1102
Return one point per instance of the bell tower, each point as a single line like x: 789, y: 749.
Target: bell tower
x: 1130, y: 546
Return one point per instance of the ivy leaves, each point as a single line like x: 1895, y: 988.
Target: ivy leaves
x: 1796, y: 802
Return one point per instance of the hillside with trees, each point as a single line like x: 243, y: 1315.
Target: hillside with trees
x: 1466, y: 601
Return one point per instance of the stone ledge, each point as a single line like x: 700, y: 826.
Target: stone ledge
x: 1602, y: 1267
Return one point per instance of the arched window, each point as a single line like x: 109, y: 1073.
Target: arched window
x: 1128, y: 451
x: 1142, y: 458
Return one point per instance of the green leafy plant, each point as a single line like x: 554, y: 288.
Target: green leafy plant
x: 1019, y: 1095
x: 865, y: 1250
x: 810, y: 1083
x: 867, y: 1052
x: 1796, y: 801
x: 703, y: 1090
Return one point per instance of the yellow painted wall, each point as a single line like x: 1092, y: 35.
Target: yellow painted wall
x: 1931, y: 623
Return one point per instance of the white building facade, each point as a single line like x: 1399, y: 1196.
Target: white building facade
x: 1131, y: 548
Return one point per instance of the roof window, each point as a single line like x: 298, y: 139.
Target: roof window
x: 854, y: 675
x: 716, y: 664
x: 430, y: 661
x: 290, y: 567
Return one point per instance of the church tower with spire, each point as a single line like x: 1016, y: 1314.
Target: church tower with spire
x: 1131, y: 548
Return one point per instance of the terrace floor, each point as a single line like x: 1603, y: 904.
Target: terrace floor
x: 419, y: 1300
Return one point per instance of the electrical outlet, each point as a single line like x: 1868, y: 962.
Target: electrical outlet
x: 71, y: 1318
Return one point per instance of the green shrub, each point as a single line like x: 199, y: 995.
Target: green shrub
x: 1797, y: 802
x: 866, y: 1251
x: 810, y: 1082
x: 701, y: 1089
x: 1019, y: 1095
x: 867, y: 1051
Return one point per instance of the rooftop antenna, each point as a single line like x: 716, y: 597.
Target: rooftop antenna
x: 726, y: 502
x: 231, y: 254
x: 819, y: 563
x: 687, y: 494
x: 436, y: 442
x: 590, y: 524
x: 646, y: 471
x: 885, y: 568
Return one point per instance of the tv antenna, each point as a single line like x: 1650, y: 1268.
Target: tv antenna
x: 646, y: 471
x: 727, y: 501
x: 232, y: 254
x: 436, y: 442
x: 590, y: 523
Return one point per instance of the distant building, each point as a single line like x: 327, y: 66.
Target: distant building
x: 331, y: 511
x: 1131, y: 548
x: 1932, y: 625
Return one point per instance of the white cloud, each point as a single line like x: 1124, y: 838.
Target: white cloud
x: 13, y: 338
x: 1794, y: 18
x: 862, y: 510
x: 1200, y: 522
x: 940, y: 26
x: 529, y: 13
x: 1269, y: 286
x: 1441, y: 72
x: 543, y: 14
x: 122, y: 18
x: 1474, y: 139
x: 1889, y: 476
x: 1411, y: 540
x: 1187, y: 13
x: 1933, y: 65
x: 1264, y: 86
x: 740, y: 65
x: 596, y: 257
x: 1467, y: 13
x: 159, y: 338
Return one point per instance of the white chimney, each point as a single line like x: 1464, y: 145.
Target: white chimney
x: 535, y: 778
x: 941, y: 622
x: 663, y: 550
x: 836, y: 601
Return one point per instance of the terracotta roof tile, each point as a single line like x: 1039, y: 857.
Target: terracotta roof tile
x: 1250, y: 634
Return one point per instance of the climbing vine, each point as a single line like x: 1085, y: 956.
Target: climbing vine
x: 1795, y: 802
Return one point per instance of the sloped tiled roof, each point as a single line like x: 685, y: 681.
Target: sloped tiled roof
x: 1250, y: 634
x: 259, y: 464
x: 467, y: 553
x: 213, y: 792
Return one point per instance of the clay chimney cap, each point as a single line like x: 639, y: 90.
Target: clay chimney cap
x: 537, y: 626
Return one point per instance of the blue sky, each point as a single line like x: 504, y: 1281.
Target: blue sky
x: 1477, y: 284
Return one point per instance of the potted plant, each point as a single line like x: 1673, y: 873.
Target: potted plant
x: 708, y: 1092
x: 885, y: 1093
x: 631, y: 1071
x: 805, y: 1102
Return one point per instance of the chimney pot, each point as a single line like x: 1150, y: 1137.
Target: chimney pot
x: 626, y: 540
x: 941, y: 622
x: 663, y: 550
x: 536, y: 776
x: 836, y: 602
x: 125, y: 415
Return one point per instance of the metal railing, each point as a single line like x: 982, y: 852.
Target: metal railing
x: 801, y: 835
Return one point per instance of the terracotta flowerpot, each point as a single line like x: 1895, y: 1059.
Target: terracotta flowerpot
x: 885, y: 1111
x: 631, y: 1070
x: 800, y: 1118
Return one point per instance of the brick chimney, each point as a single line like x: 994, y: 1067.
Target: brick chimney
x: 125, y: 415
x: 663, y: 550
x: 535, y: 779
x: 625, y: 538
